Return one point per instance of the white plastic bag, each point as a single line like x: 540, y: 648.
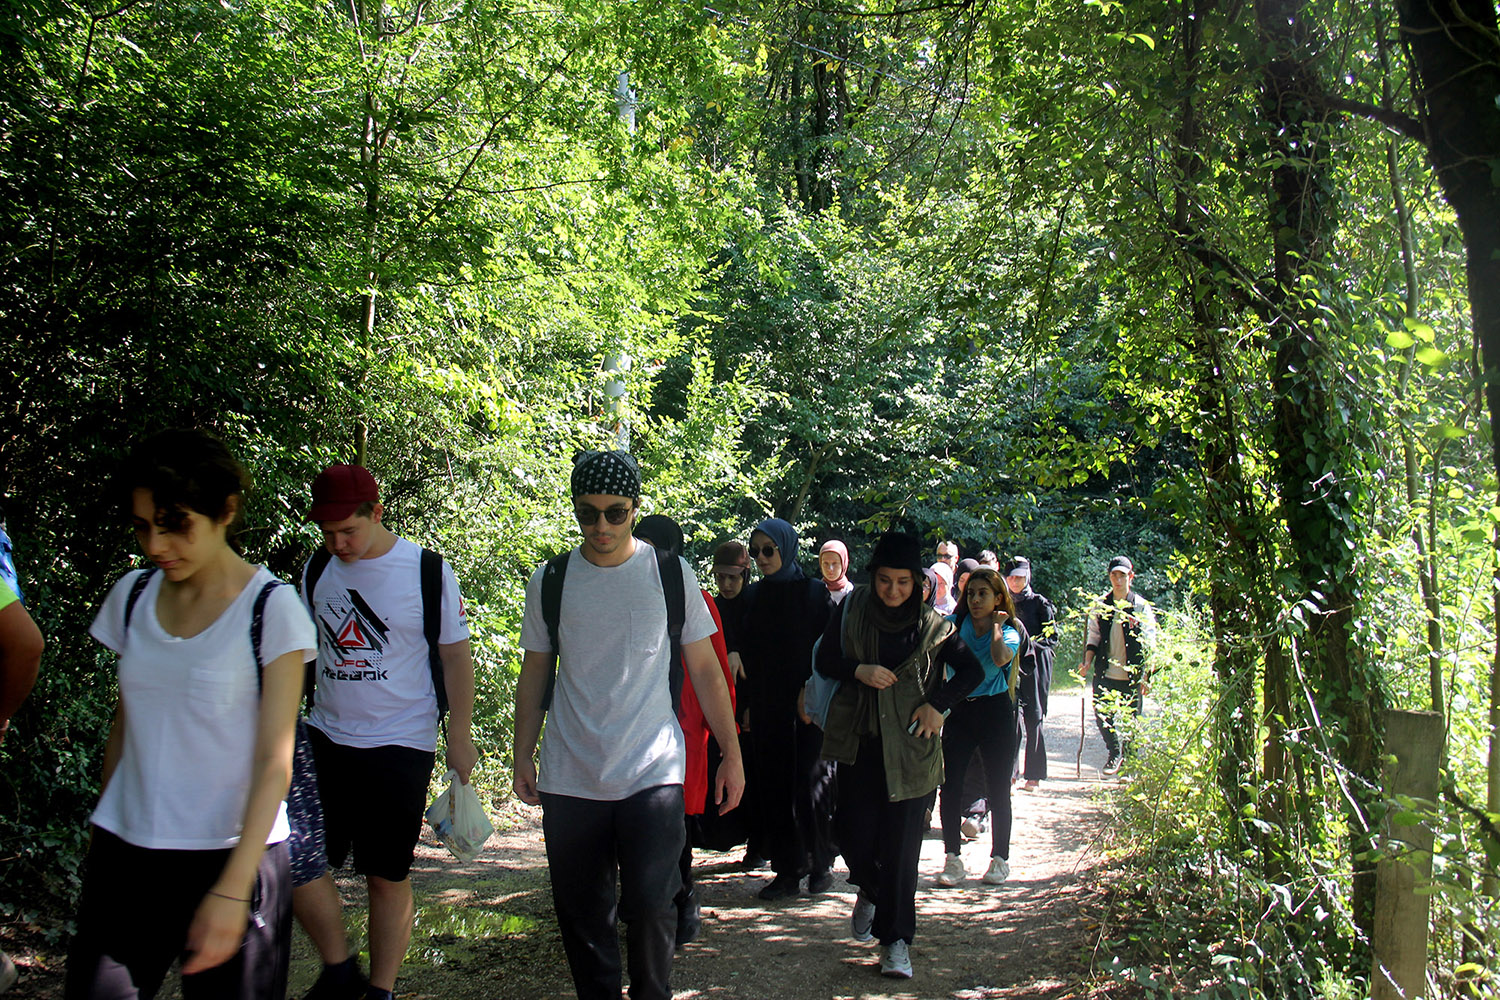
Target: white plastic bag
x: 459, y: 820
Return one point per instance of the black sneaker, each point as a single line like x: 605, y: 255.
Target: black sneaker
x: 820, y: 882
x: 339, y: 982
x: 780, y: 887
x: 689, y: 920
x: 1112, y: 766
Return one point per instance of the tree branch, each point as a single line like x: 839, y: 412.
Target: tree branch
x: 1398, y: 120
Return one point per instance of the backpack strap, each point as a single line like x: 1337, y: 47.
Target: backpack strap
x: 432, y: 617
x: 315, y: 567
x: 552, y: 587
x: 136, y: 589
x: 1027, y: 646
x: 669, y: 568
x: 257, y: 626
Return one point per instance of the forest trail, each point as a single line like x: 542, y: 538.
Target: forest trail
x: 486, y: 930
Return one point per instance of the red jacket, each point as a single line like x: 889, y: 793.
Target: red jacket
x: 695, y: 728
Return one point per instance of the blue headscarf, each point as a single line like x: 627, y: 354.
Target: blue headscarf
x: 785, y: 537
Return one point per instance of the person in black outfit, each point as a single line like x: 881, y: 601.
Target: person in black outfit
x: 731, y: 577
x: 1040, y: 618
x: 732, y: 580
x: 786, y: 615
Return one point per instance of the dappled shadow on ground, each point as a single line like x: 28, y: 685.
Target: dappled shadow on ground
x: 485, y: 929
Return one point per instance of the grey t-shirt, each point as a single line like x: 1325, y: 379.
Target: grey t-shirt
x: 611, y: 731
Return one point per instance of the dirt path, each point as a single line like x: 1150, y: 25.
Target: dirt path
x: 486, y: 930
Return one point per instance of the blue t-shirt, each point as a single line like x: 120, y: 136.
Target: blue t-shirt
x: 994, y: 677
x: 8, y: 568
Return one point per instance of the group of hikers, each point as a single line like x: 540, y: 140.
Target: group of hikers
x: 827, y: 715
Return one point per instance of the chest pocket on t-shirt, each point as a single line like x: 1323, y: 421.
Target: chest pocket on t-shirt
x: 213, y: 688
x: 648, y: 633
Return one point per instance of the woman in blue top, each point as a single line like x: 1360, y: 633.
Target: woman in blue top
x: 985, y: 720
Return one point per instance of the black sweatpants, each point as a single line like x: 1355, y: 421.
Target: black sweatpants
x: 589, y: 843
x: 1029, y: 735
x: 881, y: 842
x: 685, y: 865
x: 134, y: 916
x: 988, y: 724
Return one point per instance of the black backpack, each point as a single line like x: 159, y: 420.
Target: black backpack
x: 432, y: 612
x: 670, y: 569
x: 257, y: 615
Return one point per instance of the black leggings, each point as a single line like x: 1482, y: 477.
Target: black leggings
x: 988, y: 723
x: 134, y: 916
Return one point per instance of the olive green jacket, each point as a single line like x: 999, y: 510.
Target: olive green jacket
x: 913, y: 765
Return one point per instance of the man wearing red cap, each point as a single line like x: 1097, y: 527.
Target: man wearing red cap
x: 374, y: 721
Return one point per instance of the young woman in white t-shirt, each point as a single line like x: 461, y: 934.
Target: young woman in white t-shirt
x: 188, y: 859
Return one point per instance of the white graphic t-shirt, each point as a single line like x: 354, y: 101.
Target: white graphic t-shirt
x: 374, y: 684
x: 191, y: 709
x: 611, y: 731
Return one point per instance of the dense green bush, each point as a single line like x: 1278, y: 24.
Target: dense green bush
x: 1204, y: 902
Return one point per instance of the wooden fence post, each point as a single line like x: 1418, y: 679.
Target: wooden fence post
x: 1415, y: 740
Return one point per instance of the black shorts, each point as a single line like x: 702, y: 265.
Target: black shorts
x: 373, y: 802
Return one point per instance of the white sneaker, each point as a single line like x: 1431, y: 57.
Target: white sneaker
x: 953, y: 871
x: 895, y: 960
x: 999, y: 871
x: 862, y: 920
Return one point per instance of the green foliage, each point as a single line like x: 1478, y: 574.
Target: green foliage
x: 1046, y: 278
x: 1188, y: 916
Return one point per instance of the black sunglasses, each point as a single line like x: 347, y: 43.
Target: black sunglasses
x: 589, y: 515
x: 768, y: 550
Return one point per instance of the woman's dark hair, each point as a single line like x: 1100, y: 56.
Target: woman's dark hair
x: 185, y: 470
x: 662, y: 532
x: 1003, y: 601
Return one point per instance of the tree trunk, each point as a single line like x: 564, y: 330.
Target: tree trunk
x: 1232, y: 572
x: 1424, y: 535
x: 1455, y: 46
x: 807, y: 481
x: 1315, y: 458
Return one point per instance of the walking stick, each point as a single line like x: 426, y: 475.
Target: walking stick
x: 1083, y: 715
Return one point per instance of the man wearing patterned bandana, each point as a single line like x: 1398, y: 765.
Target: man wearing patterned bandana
x: 612, y: 764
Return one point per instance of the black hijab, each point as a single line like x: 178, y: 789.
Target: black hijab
x: 897, y: 550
